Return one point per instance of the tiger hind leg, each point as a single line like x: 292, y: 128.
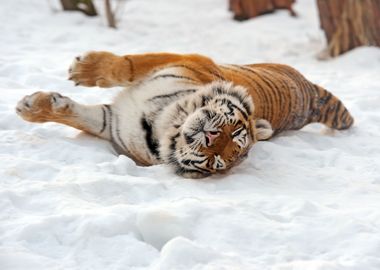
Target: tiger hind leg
x: 329, y: 110
x: 102, y: 69
x: 43, y: 107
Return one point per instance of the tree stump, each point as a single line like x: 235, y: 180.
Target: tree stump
x: 349, y: 23
x: 85, y: 6
x: 245, y: 9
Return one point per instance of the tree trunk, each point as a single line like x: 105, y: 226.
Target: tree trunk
x: 109, y: 14
x: 349, y: 23
x: 86, y: 6
x: 245, y: 9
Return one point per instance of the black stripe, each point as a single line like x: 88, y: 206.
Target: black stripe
x: 242, y: 101
x: 246, y: 69
x: 214, y: 73
x: 192, y: 162
x: 337, y: 109
x: 219, y: 90
x: 238, y: 96
x: 172, y: 76
x: 173, y: 145
x: 132, y: 68
x: 326, y: 114
x: 104, y: 120
x: 209, y: 114
x: 199, y: 72
x: 325, y: 99
x: 237, y: 132
x: 183, y: 170
x: 118, y: 134
x: 345, y: 115
x: 318, y: 104
x: 108, y: 107
x: 347, y: 118
x: 113, y: 141
x: 175, y: 94
x: 181, y: 109
x: 198, y: 155
x: 205, y: 100
x: 150, y: 141
x: 189, y: 139
x: 218, y: 121
x: 232, y: 106
x: 201, y: 169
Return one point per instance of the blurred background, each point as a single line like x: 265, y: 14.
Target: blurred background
x: 347, y: 23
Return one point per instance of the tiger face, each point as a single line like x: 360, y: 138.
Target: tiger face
x: 218, y: 134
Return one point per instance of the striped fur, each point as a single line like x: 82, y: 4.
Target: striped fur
x: 187, y: 111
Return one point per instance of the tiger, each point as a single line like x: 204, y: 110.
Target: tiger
x: 184, y: 110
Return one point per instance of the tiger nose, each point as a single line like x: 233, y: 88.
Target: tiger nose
x: 210, y: 137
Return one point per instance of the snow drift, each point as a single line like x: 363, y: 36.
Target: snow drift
x: 307, y: 199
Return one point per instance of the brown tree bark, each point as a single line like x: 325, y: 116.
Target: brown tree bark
x: 245, y: 9
x: 85, y: 6
x: 110, y: 14
x: 349, y: 23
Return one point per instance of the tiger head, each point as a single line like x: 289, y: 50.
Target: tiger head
x: 218, y: 133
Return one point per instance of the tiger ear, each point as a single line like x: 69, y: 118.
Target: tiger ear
x: 263, y: 129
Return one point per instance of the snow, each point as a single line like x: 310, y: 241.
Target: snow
x: 306, y: 199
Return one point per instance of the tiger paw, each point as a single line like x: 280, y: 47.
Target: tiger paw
x: 101, y: 69
x: 44, y: 106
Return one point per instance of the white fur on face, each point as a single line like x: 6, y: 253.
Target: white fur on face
x: 212, y: 107
x: 240, y: 137
x: 219, y: 163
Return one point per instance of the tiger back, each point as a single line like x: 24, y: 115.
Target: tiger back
x: 286, y: 98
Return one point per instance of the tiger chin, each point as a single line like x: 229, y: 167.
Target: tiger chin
x: 186, y: 111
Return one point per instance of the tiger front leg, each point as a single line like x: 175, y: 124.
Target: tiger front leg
x: 43, y: 107
x: 102, y: 69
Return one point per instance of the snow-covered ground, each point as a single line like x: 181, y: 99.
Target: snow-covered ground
x: 307, y: 199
